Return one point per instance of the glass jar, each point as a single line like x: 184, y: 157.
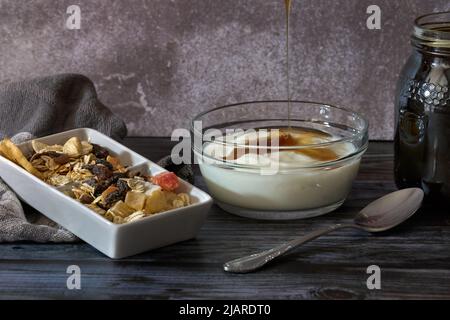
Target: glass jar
x: 422, y: 135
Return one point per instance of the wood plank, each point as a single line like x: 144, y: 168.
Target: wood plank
x: 414, y: 257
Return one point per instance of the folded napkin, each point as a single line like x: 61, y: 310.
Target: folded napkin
x: 40, y: 107
x: 44, y: 106
x: 53, y: 104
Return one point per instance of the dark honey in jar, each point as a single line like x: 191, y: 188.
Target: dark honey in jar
x: 422, y: 135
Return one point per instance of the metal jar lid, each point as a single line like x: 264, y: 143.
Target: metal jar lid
x: 433, y: 31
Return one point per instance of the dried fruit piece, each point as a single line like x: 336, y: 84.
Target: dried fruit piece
x: 91, y: 182
x: 102, y: 172
x: 73, y: 147
x: 113, y: 161
x: 86, y: 147
x: 99, y: 152
x: 156, y: 202
x: 122, y: 185
x: 38, y: 146
x: 170, y: 196
x: 100, y: 186
x: 108, y: 191
x: 113, y: 198
x: 82, y: 196
x: 13, y: 153
x: 61, y: 158
x: 104, y: 163
x: 137, y: 185
x: 119, y: 176
x: 150, y: 188
x: 166, y: 180
x: 121, y: 209
x: 135, y: 200
x: 114, y: 193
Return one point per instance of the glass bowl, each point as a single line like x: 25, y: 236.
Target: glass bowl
x: 271, y: 179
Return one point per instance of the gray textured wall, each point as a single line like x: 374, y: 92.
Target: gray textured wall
x: 158, y: 62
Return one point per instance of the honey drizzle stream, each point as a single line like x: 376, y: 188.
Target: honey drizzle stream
x: 303, y: 136
x: 288, y: 84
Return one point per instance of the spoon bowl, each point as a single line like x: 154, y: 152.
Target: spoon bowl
x: 390, y: 210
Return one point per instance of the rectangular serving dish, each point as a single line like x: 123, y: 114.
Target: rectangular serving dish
x: 114, y: 240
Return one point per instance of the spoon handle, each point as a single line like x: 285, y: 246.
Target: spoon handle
x: 257, y: 260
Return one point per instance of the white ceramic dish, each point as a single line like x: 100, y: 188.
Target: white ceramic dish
x: 115, y: 241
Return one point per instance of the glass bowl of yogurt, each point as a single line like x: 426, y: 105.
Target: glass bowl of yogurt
x: 279, y: 160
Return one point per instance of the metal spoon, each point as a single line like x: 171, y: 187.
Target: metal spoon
x: 380, y: 215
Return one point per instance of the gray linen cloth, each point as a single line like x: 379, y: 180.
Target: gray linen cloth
x: 40, y: 107
x: 44, y: 106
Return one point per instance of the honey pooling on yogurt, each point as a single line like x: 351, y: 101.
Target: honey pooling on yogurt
x: 284, y: 137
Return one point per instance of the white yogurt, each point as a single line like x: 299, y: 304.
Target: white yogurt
x: 289, y: 188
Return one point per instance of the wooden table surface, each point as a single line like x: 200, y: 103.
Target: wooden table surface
x: 414, y: 258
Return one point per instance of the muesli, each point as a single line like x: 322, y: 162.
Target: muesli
x: 90, y: 174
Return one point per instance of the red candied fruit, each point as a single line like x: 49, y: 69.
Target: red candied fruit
x: 167, y: 181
